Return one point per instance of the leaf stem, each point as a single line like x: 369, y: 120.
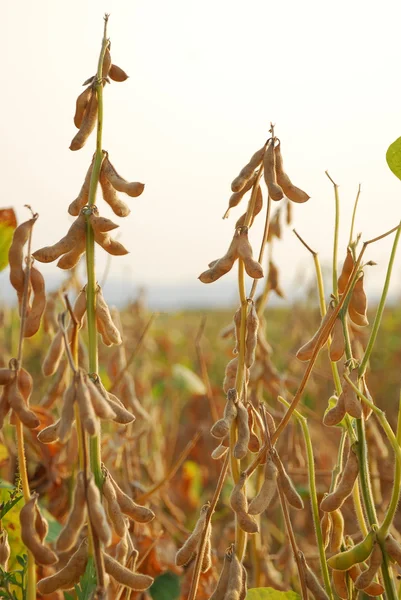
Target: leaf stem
x: 336, y: 228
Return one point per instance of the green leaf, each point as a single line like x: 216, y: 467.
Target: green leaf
x: 187, y: 380
x: 269, y: 593
x: 393, y: 157
x: 8, y: 223
x: 166, y: 587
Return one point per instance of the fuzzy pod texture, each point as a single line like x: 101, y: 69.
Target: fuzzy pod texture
x: 393, y: 548
x: 230, y: 375
x: 111, y: 246
x: 18, y: 398
x: 352, y: 403
x: 288, y: 487
x: 102, y: 408
x: 5, y: 549
x: 68, y: 576
x: 35, y: 311
x: 135, y: 581
x: 97, y: 513
x: 359, y: 301
x: 119, y: 207
x: 113, y: 508
x: 357, y: 554
x: 136, y: 512
x: 222, y: 427
x: 16, y: 256
x: 81, y: 105
x: 345, y: 272
x: 337, y: 498
x: 312, y: 582
x: 235, y: 579
x: 223, y: 265
x: 87, y: 124
x: 266, y: 493
x: 103, y: 315
x: 219, y: 452
x: 239, y: 504
x: 222, y: 583
x: 83, y: 197
x: 337, y: 346
x: 306, y: 351
x: 42, y: 554
x: 190, y: 546
x: 336, y: 414
x: 86, y: 411
x: 76, y: 518
x: 244, y: 249
x: 247, y: 171
x: 207, y: 554
x: 269, y: 163
x: 73, y: 238
x: 325, y: 526
x: 356, y: 317
x: 67, y: 416
x: 337, y: 532
x: 367, y: 576
x: 132, y: 189
x: 243, y: 432
x: 236, y: 197
x: 292, y: 192
x: 123, y: 416
x: 49, y: 434
x: 101, y: 224
x: 70, y: 259
x: 340, y: 584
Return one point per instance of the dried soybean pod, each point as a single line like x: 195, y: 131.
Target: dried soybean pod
x: 100, y: 405
x: 41, y: 525
x: 5, y: 549
x: 289, y: 490
x: 19, y: 403
x: 103, y: 315
x: 359, y: 301
x: 351, y: 402
x: 344, y: 489
x: 367, y: 576
x: 241, y: 446
x: 4, y: 405
x: 306, y: 351
x: 110, y: 196
x: 291, y: 191
x: 223, y: 265
x: 239, y: 504
x: 72, y: 258
x: 43, y: 555
x: 69, y: 575
x: 312, y: 582
x: 87, y: 125
x: 273, y: 280
x: 101, y: 224
x: 337, y: 534
x: 244, y: 248
x: 86, y: 411
x: 49, y: 434
x: 219, y: 452
x: 67, y: 412
x: 236, y: 198
x: 132, y: 189
x: 83, y: 196
x: 357, y: 554
x: 246, y: 172
x: 123, y: 416
x: 136, y: 512
x: 16, y: 255
x: 221, y: 428
x: 6, y: 376
x: 325, y: 526
x: 117, y: 74
x: 207, y: 555
x: 393, y: 548
x: 76, y: 518
x: 345, y: 272
x: 74, y: 236
x: 135, y: 581
x: 340, y: 583
x: 113, y: 508
x: 222, y: 583
x: 81, y: 104
x: 256, y: 210
x: 269, y: 163
x: 230, y: 375
x: 337, y: 346
x: 111, y: 246
x: 252, y: 325
x: 189, y: 548
x: 262, y: 500
x: 235, y: 579
x: 97, y: 515
x: 336, y: 414
x: 356, y: 317
x: 106, y: 62
x: 34, y: 316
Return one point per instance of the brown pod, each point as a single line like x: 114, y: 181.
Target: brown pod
x: 136, y: 512
x: 223, y: 265
x: 367, y: 576
x: 117, y: 74
x: 222, y: 427
x: 103, y: 315
x: 73, y: 237
x: 113, y: 508
x: 337, y: 532
x: 241, y: 446
x: 86, y: 411
x: 219, y: 452
x: 100, y: 405
x: 336, y: 414
x: 244, y: 248
x: 230, y: 375
x: 68, y: 576
x: 266, y: 493
x: 4, y: 405
x: 72, y: 258
x: 123, y: 416
x: 291, y: 191
x: 87, y: 125
x: 357, y: 318
x: 83, y: 196
x: 221, y: 587
x: 19, y: 402
x: 49, y: 434
x: 6, y: 376
x: 42, y: 554
x: 289, y: 490
x: 80, y: 107
x: 256, y: 210
x: 306, y: 351
x: 111, y: 246
x: 189, y: 548
x: 312, y: 582
x: 135, y: 581
x: 239, y: 504
x: 5, y: 550
x: 132, y: 189
x: 34, y: 316
x: 97, y: 515
x: 359, y: 301
x: 340, y: 583
x: 269, y: 163
x: 345, y: 272
x: 246, y: 172
x: 350, y: 472
x: 337, y: 346
x: 16, y: 255
x: 207, y: 554
x: 76, y: 519
x: 110, y: 196
x: 351, y: 402
x: 101, y: 224
x: 272, y: 279
x: 252, y: 325
x: 67, y: 412
x: 393, y: 548
x: 236, y: 198
x: 106, y: 63
x: 235, y: 579
x: 326, y: 526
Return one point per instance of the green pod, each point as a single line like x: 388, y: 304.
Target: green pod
x: 357, y: 554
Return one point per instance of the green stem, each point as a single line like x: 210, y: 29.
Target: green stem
x: 395, y: 494
x: 336, y: 228
x: 351, y: 233
x: 339, y: 464
x: 313, y: 496
x: 380, y: 309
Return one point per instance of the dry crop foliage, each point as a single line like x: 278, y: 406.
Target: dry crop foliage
x: 92, y: 435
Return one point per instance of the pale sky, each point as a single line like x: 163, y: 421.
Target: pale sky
x: 206, y: 79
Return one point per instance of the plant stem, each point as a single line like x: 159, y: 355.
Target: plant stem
x: 356, y: 497
x: 380, y: 309
x: 351, y: 233
x: 335, y: 244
